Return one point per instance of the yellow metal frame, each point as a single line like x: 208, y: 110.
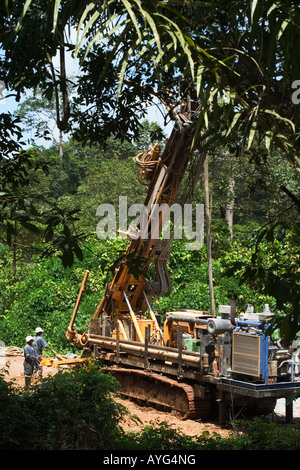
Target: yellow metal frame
x: 52, y: 362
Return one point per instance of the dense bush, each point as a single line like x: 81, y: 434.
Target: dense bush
x: 71, y: 410
x: 44, y: 293
x: 270, y: 435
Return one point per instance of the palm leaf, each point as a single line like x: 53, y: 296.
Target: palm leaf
x: 25, y: 9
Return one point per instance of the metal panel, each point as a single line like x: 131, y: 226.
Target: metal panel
x: 246, y: 354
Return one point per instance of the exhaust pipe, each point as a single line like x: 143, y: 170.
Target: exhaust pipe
x: 232, y: 312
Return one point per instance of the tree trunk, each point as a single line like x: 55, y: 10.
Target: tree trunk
x: 60, y: 146
x: 230, y: 206
x: 208, y: 236
x: 14, y: 263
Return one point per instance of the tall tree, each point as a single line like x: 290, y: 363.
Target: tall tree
x: 208, y: 235
x: 237, y: 60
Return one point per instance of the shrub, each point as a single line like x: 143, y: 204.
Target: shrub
x: 71, y: 410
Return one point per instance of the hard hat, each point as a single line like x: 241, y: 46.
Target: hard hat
x: 29, y: 338
x: 38, y: 330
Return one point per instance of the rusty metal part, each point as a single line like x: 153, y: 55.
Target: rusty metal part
x: 161, y: 392
x: 146, y: 163
x: 135, y: 347
x: 71, y: 333
x: 80, y: 341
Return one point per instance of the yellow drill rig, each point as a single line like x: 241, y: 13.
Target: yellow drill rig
x: 195, y: 363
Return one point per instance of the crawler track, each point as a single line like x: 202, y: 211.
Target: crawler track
x: 161, y: 392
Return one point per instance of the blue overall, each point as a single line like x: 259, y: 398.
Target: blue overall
x: 30, y: 362
x: 39, y: 343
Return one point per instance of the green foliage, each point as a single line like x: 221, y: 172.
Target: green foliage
x: 272, y: 268
x: 269, y: 435
x: 44, y: 294
x: 71, y: 410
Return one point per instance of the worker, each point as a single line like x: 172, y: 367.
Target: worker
x: 39, y: 343
x: 30, y: 360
